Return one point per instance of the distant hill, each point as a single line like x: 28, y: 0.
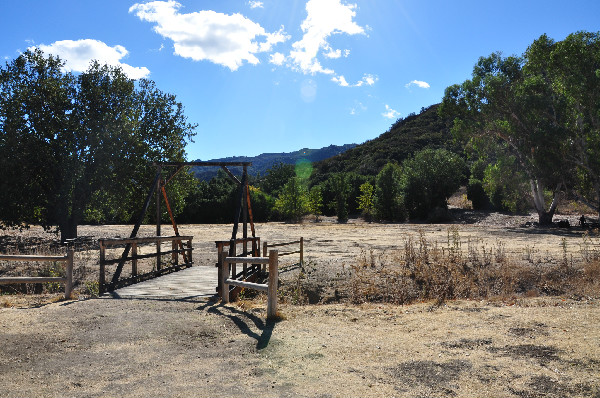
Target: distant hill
x: 263, y: 162
x: 404, y: 138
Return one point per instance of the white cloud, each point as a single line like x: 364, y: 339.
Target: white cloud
x: 256, y: 4
x: 390, y: 113
x: 368, y: 80
x: 333, y: 53
x: 227, y: 40
x: 418, y: 83
x: 277, y: 59
x: 341, y: 80
x: 325, y: 18
x: 78, y: 54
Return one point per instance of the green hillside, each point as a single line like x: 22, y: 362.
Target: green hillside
x: 404, y: 138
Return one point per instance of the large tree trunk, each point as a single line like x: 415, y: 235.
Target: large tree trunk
x: 68, y: 229
x: 544, y: 216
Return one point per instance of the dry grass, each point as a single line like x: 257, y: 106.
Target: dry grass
x: 424, y: 271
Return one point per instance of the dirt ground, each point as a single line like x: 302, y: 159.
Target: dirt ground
x: 522, y: 347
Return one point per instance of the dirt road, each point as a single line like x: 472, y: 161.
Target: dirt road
x: 137, y: 348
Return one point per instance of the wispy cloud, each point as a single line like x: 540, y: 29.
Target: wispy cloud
x: 390, y: 113
x: 418, y: 83
x: 358, y: 108
x: 78, y: 54
x: 228, y: 40
x: 367, y: 80
x: 256, y: 4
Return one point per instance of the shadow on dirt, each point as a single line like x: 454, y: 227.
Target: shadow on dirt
x: 243, y: 319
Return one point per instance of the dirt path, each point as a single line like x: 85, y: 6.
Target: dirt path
x: 136, y: 348
x: 535, y: 347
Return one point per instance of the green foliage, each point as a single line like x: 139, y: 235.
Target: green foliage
x: 341, y: 188
x: 315, y: 202
x: 429, y: 179
x: 277, y: 176
x: 73, y: 147
x: 292, y: 201
x: 505, y: 186
x: 366, y: 200
x: 388, y: 200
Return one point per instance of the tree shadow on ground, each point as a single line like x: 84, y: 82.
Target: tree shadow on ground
x: 242, y: 320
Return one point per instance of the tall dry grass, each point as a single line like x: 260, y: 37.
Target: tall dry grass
x: 422, y: 270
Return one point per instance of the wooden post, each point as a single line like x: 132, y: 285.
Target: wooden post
x: 301, y: 251
x: 265, y: 247
x: 245, y: 210
x: 190, y: 251
x: 134, y: 253
x: 69, y: 281
x: 219, y: 266
x: 102, y: 280
x: 174, y: 255
x: 272, y: 284
x: 224, y: 277
x: 232, y: 253
x: 158, y: 184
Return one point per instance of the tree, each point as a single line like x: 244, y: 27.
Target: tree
x: 366, y: 201
x: 292, y: 201
x: 572, y: 68
x: 388, y: 200
x: 276, y: 177
x: 71, y: 144
x: 341, y: 187
x: 315, y: 202
x: 517, y: 108
x: 429, y: 179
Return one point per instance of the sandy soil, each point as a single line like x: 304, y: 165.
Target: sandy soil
x: 534, y: 347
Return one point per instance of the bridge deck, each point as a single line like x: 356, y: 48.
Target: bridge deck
x: 200, y: 281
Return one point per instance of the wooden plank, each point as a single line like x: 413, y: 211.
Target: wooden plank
x: 148, y: 239
x: 31, y: 279
x: 247, y: 260
x: 247, y: 285
x: 142, y: 256
x: 283, y: 244
x: 288, y: 253
x: 239, y: 240
x: 27, y: 257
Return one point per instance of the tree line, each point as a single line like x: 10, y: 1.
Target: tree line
x: 520, y: 132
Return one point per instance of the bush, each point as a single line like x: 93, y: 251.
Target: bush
x: 388, y: 202
x: 429, y: 179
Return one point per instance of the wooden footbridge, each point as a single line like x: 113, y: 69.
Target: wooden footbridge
x: 175, y: 253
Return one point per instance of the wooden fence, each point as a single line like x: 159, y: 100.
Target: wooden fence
x: 176, y: 241
x: 229, y: 247
x: 67, y: 280
x: 299, y: 251
x: 270, y: 287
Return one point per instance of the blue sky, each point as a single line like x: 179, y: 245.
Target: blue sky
x: 281, y: 75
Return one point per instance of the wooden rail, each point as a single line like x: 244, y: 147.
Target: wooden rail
x: 67, y: 280
x: 270, y: 287
x: 232, y: 251
x: 184, y: 250
x: 300, y: 251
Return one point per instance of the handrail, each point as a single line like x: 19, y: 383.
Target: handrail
x: 67, y: 280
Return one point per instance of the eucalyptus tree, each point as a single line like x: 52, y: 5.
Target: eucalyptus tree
x: 75, y: 144
x: 517, y: 109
